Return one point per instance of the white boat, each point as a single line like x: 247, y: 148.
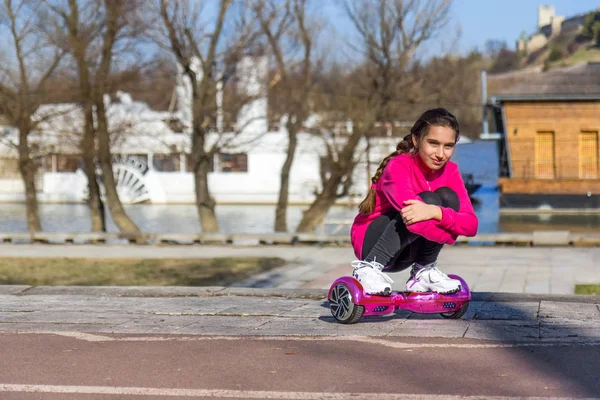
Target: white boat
x: 151, y: 148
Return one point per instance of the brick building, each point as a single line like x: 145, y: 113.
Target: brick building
x: 550, y: 148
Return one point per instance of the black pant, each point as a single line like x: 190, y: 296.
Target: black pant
x: 389, y: 242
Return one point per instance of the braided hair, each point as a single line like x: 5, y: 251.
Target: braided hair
x: 434, y: 117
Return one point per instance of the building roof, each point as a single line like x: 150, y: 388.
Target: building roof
x: 576, y: 82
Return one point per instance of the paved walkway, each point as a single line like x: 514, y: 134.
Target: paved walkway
x: 552, y: 270
x: 240, y: 343
x: 275, y: 342
x: 275, y: 312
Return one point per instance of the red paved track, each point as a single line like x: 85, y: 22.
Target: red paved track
x: 295, y: 366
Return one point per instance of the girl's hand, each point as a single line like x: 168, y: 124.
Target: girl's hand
x: 417, y: 211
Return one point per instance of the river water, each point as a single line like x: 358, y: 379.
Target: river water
x: 478, y: 159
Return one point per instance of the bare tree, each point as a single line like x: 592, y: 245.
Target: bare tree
x: 390, y: 33
x: 77, y: 38
x: 454, y: 82
x: 206, y: 58
x: 90, y: 31
x: 114, y: 23
x: 287, y: 32
x: 22, y: 88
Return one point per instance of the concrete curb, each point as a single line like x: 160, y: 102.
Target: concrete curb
x: 534, y: 297
x: 208, y: 291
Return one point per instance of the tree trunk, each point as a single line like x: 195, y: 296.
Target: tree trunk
x: 122, y: 220
x: 88, y: 153
x: 282, y: 202
x: 88, y: 145
x: 205, y: 204
x: 317, y: 211
x: 27, y: 170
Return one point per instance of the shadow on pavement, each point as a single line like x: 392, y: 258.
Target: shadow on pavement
x: 555, y: 339
x: 566, y: 334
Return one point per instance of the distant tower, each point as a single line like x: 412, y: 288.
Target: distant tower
x: 545, y: 16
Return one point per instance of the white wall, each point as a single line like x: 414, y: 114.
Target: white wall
x: 63, y: 187
x: 262, y: 181
x: 12, y: 190
x: 259, y: 185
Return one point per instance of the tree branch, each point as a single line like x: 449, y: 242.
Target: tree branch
x: 214, y: 39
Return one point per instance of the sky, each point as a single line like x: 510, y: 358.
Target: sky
x: 506, y: 19
x: 478, y: 20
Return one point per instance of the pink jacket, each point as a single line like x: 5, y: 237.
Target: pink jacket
x: 403, y: 177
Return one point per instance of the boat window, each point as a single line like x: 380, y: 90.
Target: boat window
x: 233, y: 162
x: 166, y: 162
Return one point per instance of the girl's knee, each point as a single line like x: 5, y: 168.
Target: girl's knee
x: 448, y: 198
x: 431, y: 198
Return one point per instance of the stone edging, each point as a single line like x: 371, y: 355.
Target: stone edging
x: 535, y: 238
x: 208, y: 291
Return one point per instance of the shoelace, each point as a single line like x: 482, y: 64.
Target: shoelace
x: 358, y: 264
x: 439, y: 273
x: 431, y: 268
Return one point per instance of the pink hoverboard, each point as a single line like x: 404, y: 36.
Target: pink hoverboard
x: 348, y: 301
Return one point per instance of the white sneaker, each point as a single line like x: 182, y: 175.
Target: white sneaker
x: 430, y: 279
x: 370, y: 276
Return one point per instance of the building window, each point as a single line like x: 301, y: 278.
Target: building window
x: 233, y: 162
x: 67, y: 163
x: 61, y: 163
x: 544, y: 155
x: 190, y: 166
x: 588, y: 155
x: 166, y: 162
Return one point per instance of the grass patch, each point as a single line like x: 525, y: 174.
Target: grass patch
x: 131, y: 272
x: 581, y: 55
x: 587, y: 289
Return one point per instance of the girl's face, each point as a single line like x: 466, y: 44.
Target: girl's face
x: 436, y: 147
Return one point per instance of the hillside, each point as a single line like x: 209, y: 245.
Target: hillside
x: 564, y: 50
x: 574, y: 41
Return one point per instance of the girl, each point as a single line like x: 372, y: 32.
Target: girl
x: 417, y: 203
